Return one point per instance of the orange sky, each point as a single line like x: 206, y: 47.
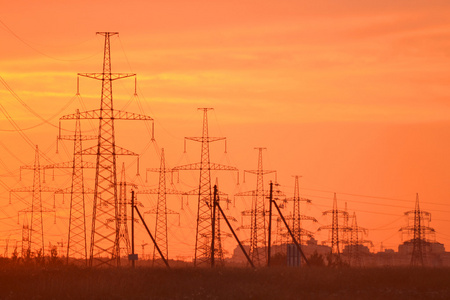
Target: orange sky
x: 352, y: 96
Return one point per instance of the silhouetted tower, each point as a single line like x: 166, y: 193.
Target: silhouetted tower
x: 123, y: 238
x: 297, y: 217
x: 104, y: 237
x: 422, y: 234
x: 161, y: 211
x: 205, y: 194
x: 336, y: 229
x: 76, y: 240
x: 356, y: 242
x: 26, y: 250
x: 258, y: 213
x: 36, y: 230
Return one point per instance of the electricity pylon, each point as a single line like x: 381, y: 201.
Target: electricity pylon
x: 123, y: 238
x: 257, y: 213
x: 76, y: 240
x: 204, y: 192
x: 336, y: 229
x: 357, y: 234
x: 36, y: 230
x: 161, y: 211
x: 423, y: 234
x: 297, y: 217
x: 103, y: 247
x: 25, y: 238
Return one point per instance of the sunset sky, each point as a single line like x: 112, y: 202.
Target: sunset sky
x: 352, y: 95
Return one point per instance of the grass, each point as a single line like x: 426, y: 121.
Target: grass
x: 66, y: 282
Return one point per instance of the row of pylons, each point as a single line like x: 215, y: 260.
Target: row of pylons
x: 109, y: 238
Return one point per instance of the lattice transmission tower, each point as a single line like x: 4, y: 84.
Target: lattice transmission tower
x: 161, y: 211
x: 356, y: 242
x: 103, y: 246
x: 336, y: 230
x: 296, y: 218
x: 258, y: 213
x: 76, y: 240
x: 36, y: 229
x: 422, y: 234
x: 205, y: 194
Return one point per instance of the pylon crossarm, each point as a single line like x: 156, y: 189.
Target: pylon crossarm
x: 205, y: 139
x: 117, y: 115
x: 101, y: 76
x: 69, y: 165
x: 260, y: 172
x: 119, y: 151
x: 303, y: 217
x: 81, y: 138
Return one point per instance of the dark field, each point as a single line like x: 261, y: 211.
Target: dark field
x: 22, y: 282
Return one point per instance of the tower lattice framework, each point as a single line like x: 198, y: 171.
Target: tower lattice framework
x: 205, y: 195
x: 356, y: 242
x: 422, y: 234
x: 296, y: 219
x: 76, y: 239
x: 336, y: 229
x: 36, y: 229
x: 258, y: 213
x: 103, y: 246
x: 161, y: 211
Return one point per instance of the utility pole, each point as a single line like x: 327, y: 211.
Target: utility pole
x: 257, y: 213
x: 103, y: 236
x: 204, y: 193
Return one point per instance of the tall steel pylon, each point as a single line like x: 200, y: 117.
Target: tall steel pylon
x: 297, y: 230
x: 336, y: 229
x: 161, y: 211
x: 258, y: 213
x: 76, y: 240
x: 36, y: 230
x: 205, y: 194
x: 422, y: 233
x: 103, y: 246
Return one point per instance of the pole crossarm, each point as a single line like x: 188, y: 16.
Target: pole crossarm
x: 155, y: 210
x: 68, y: 190
x: 117, y: 115
x: 301, y: 199
x: 101, y: 76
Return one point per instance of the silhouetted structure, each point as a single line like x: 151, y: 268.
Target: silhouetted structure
x: 205, y: 195
x: 423, y: 234
x: 104, y: 247
x: 257, y: 213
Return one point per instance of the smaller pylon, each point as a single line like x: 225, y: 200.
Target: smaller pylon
x: 336, y: 231
x: 36, y: 230
x: 422, y: 234
x: 356, y: 242
x: 161, y: 211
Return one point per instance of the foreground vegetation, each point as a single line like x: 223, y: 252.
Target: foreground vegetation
x: 19, y: 281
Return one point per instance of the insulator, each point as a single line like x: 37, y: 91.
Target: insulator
x: 137, y: 166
